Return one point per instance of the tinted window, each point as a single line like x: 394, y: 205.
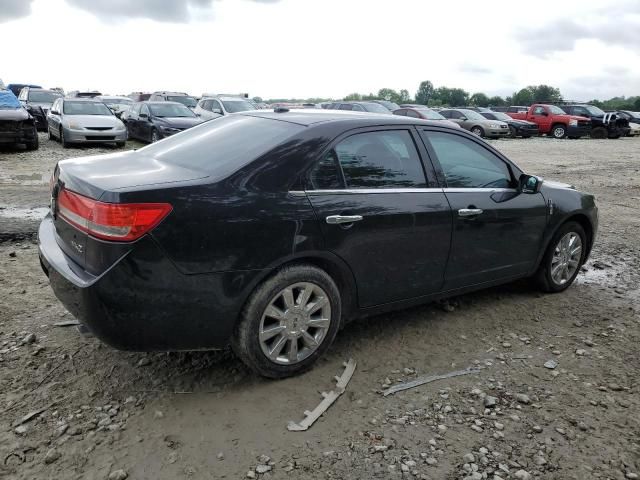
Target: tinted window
x: 400, y: 112
x: 346, y: 106
x: 326, y: 174
x: 385, y: 159
x: 466, y: 164
x: 412, y: 113
x: 223, y: 145
x: 358, y: 108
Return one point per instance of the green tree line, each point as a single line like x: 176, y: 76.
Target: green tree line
x: 428, y: 94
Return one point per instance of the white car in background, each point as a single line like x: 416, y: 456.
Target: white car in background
x: 116, y: 104
x: 214, y: 106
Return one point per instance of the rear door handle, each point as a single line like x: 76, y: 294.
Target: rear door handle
x: 469, y: 212
x: 338, y: 219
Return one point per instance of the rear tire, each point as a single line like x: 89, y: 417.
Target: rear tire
x: 35, y: 143
x: 560, y: 267
x: 513, y: 132
x: 270, y: 309
x: 559, y: 131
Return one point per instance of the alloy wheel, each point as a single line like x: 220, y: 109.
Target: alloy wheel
x: 566, y: 258
x: 559, y: 132
x: 295, y: 323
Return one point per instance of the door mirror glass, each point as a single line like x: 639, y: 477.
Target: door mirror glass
x: 529, y: 183
x: 143, y: 115
x: 463, y: 119
x: 54, y: 112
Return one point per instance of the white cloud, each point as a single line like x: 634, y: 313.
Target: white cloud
x: 302, y: 48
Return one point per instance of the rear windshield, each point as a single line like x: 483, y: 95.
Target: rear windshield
x: 431, y: 114
x: 223, y: 145
x: 86, y: 108
x: 374, y: 108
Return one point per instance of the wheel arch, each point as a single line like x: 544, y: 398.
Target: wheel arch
x: 335, y: 267
x: 583, y: 220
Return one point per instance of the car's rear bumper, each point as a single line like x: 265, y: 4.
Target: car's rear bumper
x: 578, y: 131
x: 142, y: 302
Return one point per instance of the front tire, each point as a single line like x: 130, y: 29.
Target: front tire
x: 289, y: 321
x: 559, y: 131
x: 154, y: 136
x: 562, y: 260
x: 63, y: 140
x: 477, y: 131
x: 599, y: 133
x: 513, y: 133
x: 36, y: 141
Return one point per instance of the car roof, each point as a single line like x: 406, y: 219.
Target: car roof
x: 312, y: 116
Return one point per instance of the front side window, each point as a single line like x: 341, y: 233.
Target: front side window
x: 215, y: 106
x: 234, y: 106
x: 467, y: 164
x: 346, y: 106
x: 539, y: 111
x: 382, y: 159
x: 413, y: 113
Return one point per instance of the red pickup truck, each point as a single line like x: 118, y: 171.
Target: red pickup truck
x: 554, y: 121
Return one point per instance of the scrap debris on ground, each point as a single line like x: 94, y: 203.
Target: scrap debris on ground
x: 555, y: 395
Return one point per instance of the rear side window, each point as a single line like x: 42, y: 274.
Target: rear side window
x: 346, y: 106
x: 468, y: 165
x: 382, y: 159
x: 223, y: 145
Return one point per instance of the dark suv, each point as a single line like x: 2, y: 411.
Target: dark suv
x: 603, y: 125
x: 269, y: 230
x: 38, y: 102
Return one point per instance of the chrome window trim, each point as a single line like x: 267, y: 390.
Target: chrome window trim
x: 365, y: 190
x: 297, y: 193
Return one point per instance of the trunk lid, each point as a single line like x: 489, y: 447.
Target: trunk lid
x: 100, y: 178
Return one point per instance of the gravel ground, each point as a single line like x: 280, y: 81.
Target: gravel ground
x: 554, y: 395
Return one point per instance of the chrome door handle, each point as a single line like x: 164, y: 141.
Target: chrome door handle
x: 469, y: 212
x: 338, y: 219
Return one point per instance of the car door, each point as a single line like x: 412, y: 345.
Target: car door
x: 497, y: 231
x: 144, y: 123
x: 542, y: 117
x: 381, y: 215
x: 53, y: 119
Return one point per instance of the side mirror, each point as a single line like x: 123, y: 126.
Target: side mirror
x: 54, y: 112
x: 464, y: 119
x: 529, y: 184
x: 217, y: 110
x: 143, y: 115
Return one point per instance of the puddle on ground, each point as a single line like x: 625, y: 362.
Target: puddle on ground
x: 24, y: 213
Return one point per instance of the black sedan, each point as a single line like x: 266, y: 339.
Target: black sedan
x: 518, y: 128
x: 153, y: 121
x: 269, y: 230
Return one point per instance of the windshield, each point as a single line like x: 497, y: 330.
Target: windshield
x: 390, y: 105
x: 43, y: 97
x: 500, y: 116
x: 86, y: 108
x: 471, y: 115
x: 233, y: 106
x: 183, y: 99
x: 431, y: 114
x: 594, y: 110
x: 556, y: 110
x: 170, y: 110
x: 375, y: 108
x: 223, y: 145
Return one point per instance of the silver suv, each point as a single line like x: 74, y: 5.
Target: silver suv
x: 180, y: 97
x: 215, y: 106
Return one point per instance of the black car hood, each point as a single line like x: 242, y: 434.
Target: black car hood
x: 177, y: 122
x: 15, y: 114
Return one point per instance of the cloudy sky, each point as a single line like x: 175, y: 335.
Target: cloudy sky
x: 329, y: 48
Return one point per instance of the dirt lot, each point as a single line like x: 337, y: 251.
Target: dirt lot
x: 103, y: 414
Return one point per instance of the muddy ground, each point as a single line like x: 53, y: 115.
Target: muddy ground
x: 103, y: 414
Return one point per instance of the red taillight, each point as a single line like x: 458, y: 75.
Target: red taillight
x: 123, y: 222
